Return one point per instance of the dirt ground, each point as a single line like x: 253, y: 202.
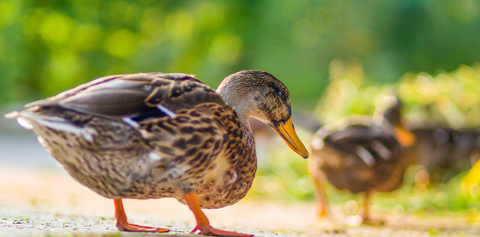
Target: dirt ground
x: 50, y: 203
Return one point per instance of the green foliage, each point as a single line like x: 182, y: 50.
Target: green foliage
x: 50, y: 46
x: 449, y: 99
x: 414, y: 196
x: 53, y: 46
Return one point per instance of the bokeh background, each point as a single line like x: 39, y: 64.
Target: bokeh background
x: 50, y: 46
x: 337, y: 58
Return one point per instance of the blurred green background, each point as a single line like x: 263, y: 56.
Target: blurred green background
x: 49, y: 46
x: 337, y: 58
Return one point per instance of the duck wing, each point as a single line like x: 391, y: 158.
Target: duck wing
x: 361, y: 156
x: 139, y: 96
x: 370, y: 144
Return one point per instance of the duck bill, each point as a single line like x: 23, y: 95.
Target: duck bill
x: 404, y: 137
x: 287, y: 132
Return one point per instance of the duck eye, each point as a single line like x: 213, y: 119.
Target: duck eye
x: 282, y: 94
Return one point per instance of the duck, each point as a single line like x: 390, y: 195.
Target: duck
x: 444, y: 151
x: 361, y: 154
x: 158, y: 135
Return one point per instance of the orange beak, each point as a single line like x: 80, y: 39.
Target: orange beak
x: 287, y: 132
x: 404, y: 137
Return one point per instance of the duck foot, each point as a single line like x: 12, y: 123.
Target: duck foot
x: 322, y: 214
x: 140, y: 228
x: 358, y: 220
x: 366, y: 219
x: 208, y: 230
x: 203, y: 225
x: 373, y: 222
x: 123, y: 225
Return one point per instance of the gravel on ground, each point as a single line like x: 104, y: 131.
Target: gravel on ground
x: 48, y: 202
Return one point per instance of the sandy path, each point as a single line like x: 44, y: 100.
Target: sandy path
x: 50, y: 203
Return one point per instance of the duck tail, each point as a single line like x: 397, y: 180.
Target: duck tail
x: 12, y: 115
x: 22, y: 117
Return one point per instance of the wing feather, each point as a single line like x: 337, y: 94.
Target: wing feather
x: 134, y: 95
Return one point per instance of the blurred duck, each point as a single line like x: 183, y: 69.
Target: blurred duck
x: 155, y: 135
x: 361, y: 154
x: 444, y: 152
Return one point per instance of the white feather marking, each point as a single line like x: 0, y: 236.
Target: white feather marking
x: 130, y: 122
x: 147, y: 87
x: 166, y: 111
x: 24, y: 123
x: 63, y: 125
x: 365, y: 155
x: 175, y: 172
x: 382, y: 150
x: 147, y: 135
x: 42, y: 141
x: 154, y: 156
x: 233, y: 178
x: 88, y: 134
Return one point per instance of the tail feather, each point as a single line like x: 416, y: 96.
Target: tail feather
x: 13, y: 114
x: 20, y: 119
x: 27, y: 119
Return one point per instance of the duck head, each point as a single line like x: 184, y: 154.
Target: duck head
x: 258, y: 94
x: 393, y: 115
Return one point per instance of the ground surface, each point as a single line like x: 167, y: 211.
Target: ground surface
x: 37, y: 198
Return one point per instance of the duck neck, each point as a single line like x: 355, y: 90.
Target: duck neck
x: 239, y: 97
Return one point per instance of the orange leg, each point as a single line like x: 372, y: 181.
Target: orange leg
x: 322, y: 202
x: 320, y: 194
x: 123, y: 225
x: 364, y: 209
x: 365, y: 212
x: 203, y: 225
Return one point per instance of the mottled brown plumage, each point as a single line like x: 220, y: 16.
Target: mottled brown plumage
x: 154, y: 135
x: 360, y: 155
x: 445, y: 152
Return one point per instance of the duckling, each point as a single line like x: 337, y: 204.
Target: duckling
x: 156, y: 135
x: 361, y: 155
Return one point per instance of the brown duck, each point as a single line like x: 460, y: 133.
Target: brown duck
x: 444, y: 151
x: 360, y: 155
x: 155, y: 135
